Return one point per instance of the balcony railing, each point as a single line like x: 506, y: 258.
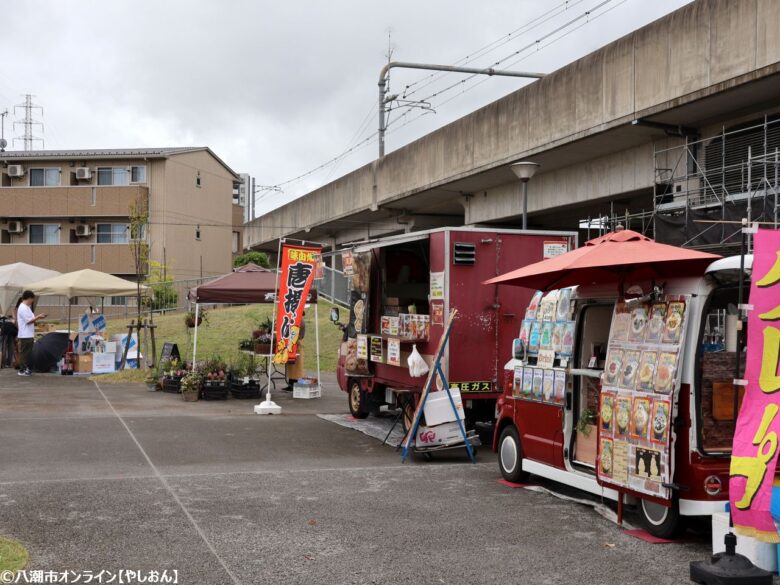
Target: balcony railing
x: 87, y: 201
x: 111, y: 258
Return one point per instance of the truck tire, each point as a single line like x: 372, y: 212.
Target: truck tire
x: 661, y: 521
x: 358, y: 401
x: 510, y: 456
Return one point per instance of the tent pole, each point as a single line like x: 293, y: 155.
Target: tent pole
x: 195, y: 341
x: 68, y: 316
x: 317, y: 335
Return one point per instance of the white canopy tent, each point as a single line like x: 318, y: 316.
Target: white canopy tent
x: 16, y: 277
x: 86, y: 283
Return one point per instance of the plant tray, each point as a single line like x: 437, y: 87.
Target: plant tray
x: 172, y: 385
x: 214, y: 391
x: 239, y: 390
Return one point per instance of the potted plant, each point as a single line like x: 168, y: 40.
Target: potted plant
x: 189, y: 318
x: 263, y: 337
x: 215, y: 379
x: 586, y: 437
x: 172, y: 373
x: 190, y: 385
x: 247, y: 344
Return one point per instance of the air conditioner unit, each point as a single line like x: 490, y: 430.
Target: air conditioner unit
x: 83, y: 230
x: 15, y: 227
x: 15, y: 170
x: 83, y: 173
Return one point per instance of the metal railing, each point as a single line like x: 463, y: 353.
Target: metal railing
x: 334, y: 286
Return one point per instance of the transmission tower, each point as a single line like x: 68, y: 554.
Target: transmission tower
x: 28, y: 122
x: 3, y: 141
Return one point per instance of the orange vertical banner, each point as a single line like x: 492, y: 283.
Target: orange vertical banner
x: 298, y: 267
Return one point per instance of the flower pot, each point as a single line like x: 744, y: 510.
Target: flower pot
x: 262, y: 348
x: 190, y: 321
x: 190, y: 396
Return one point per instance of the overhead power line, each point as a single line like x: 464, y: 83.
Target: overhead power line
x: 583, y: 19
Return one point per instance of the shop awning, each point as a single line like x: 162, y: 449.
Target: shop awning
x: 609, y: 258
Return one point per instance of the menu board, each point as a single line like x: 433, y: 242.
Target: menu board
x: 547, y: 337
x: 641, y: 375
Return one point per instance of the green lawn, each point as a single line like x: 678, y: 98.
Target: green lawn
x: 13, y: 555
x: 225, y: 328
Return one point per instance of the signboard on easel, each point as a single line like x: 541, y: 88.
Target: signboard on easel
x: 170, y: 351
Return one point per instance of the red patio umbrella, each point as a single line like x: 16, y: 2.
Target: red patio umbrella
x: 610, y: 258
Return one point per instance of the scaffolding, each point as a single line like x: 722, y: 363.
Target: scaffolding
x: 704, y: 188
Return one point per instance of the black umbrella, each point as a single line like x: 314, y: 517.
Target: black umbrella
x: 48, y: 350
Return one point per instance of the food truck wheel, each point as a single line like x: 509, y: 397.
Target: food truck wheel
x: 510, y: 456
x: 659, y: 520
x: 358, y: 401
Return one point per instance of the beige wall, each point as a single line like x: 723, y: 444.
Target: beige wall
x: 173, y: 197
x: 183, y: 206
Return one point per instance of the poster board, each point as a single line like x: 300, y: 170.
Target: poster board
x: 547, y: 341
x: 640, y: 382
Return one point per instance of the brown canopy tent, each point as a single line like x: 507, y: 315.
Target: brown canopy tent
x: 247, y: 284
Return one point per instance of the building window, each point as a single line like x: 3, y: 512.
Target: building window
x: 45, y: 177
x: 112, y: 233
x: 113, y: 176
x: 197, y: 180
x: 235, y: 242
x: 197, y: 232
x: 138, y: 174
x: 117, y: 301
x: 44, y: 233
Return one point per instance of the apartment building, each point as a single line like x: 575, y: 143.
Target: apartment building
x: 68, y: 210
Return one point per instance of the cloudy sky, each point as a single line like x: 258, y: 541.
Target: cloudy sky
x: 279, y: 88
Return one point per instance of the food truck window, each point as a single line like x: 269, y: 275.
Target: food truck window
x: 406, y: 278
x: 715, y: 368
x: 595, y: 323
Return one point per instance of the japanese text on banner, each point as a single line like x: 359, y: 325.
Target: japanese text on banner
x: 754, y: 453
x: 298, y: 266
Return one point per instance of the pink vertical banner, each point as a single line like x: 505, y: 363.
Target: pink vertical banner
x: 755, y: 449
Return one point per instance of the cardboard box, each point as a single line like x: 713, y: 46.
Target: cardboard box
x: 83, y: 363
x: 446, y: 434
x: 121, y: 340
x: 106, y: 347
x: 102, y: 363
x: 83, y: 343
x: 438, y: 409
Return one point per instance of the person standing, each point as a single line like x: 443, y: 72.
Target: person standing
x: 25, y: 321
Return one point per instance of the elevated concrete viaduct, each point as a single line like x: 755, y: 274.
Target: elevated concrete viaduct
x: 595, y: 126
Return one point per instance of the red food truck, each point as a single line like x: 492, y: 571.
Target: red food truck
x: 628, y: 396
x: 402, y: 290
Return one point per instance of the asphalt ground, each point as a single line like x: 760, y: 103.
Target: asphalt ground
x: 110, y: 477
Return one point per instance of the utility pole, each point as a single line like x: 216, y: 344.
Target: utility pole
x: 28, y: 122
x: 384, y: 99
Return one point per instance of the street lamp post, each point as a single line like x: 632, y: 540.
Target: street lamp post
x: 524, y: 171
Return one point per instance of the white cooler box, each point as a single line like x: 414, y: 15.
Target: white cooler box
x: 438, y: 409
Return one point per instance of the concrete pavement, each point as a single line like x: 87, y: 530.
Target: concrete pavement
x: 99, y: 476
